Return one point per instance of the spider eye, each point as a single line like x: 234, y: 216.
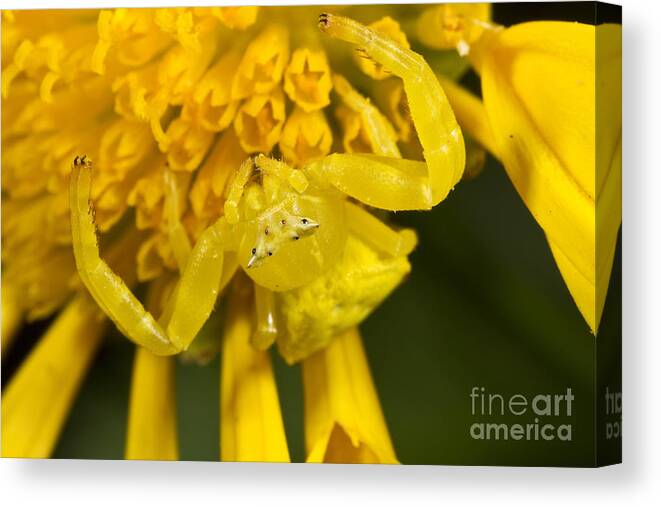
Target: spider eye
x: 254, y: 251
x: 270, y: 253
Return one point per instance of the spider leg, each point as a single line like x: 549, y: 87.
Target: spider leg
x: 236, y: 188
x: 435, y: 123
x: 379, y: 235
x: 193, y: 301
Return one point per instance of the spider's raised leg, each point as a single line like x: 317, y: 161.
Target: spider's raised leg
x: 392, y: 183
x: 193, y: 301
x: 379, y: 235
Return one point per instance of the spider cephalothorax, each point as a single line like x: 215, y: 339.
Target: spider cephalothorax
x: 279, y: 227
x: 319, y: 260
x: 290, y: 230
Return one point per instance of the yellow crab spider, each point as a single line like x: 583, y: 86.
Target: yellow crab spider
x: 287, y: 227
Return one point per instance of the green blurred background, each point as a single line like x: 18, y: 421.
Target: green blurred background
x: 485, y: 305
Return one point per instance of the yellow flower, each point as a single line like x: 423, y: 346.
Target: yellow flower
x: 567, y: 171
x: 218, y: 166
x: 169, y: 103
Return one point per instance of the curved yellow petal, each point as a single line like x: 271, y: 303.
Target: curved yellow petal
x: 251, y: 427
x: 152, y: 424
x: 343, y: 418
x: 36, y: 402
x: 557, y: 130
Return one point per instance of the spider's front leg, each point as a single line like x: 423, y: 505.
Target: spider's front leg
x: 193, y: 300
x: 392, y: 183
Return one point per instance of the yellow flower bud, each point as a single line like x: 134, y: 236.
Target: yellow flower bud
x: 182, y: 24
x: 149, y: 264
x: 147, y: 194
x: 391, y: 99
x: 354, y: 137
x: 263, y: 63
x: 306, y: 136
x: 211, y: 103
x: 185, y: 144
x: 206, y: 195
x: 259, y: 121
x: 123, y: 145
x: 308, y: 79
x: 453, y: 26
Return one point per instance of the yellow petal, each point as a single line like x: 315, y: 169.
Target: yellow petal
x: 152, y: 425
x: 343, y: 418
x: 251, y: 427
x: 36, y: 402
x: 538, y: 83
